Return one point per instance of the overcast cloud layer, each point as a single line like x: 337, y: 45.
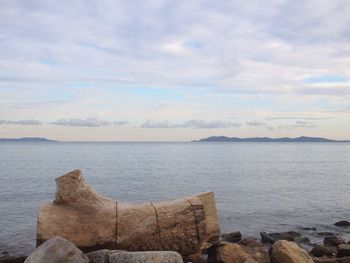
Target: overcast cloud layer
x: 196, y: 68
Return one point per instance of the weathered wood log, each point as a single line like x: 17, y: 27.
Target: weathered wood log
x: 92, y: 221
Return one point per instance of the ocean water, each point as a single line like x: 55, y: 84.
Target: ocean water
x: 258, y: 186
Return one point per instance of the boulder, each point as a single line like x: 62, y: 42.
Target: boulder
x: 233, y: 237
x: 342, y: 223
x: 101, y: 256
x: 284, y: 251
x: 333, y: 241
x: 273, y: 237
x: 332, y: 260
x: 6, y: 258
x: 343, y: 250
x: 238, y: 253
x: 57, y: 250
x: 146, y: 257
x: 182, y: 225
x: 320, y: 251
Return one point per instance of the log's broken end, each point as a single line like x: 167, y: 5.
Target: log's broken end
x: 212, y: 227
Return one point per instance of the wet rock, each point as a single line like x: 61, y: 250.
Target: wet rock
x: 196, y: 258
x: 146, y: 257
x: 325, y: 233
x: 304, y: 240
x: 251, y: 242
x: 252, y: 251
x: 342, y: 223
x: 333, y: 241
x: 57, y: 250
x: 101, y: 256
x: 6, y: 258
x: 320, y: 251
x: 343, y: 250
x: 332, y: 260
x: 289, y: 252
x: 273, y: 237
x: 309, y: 228
x: 233, y: 237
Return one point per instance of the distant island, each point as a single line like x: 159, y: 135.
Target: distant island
x: 266, y: 139
x: 26, y: 139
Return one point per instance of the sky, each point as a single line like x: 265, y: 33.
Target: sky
x: 174, y: 70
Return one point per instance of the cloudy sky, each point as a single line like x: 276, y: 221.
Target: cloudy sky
x: 174, y: 70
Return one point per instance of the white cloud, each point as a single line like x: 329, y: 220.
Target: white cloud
x: 197, y: 124
x: 24, y: 122
x: 90, y: 122
x: 255, y: 123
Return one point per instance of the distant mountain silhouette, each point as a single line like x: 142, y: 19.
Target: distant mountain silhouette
x: 266, y: 139
x: 26, y: 139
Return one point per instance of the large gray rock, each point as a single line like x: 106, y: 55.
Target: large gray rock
x: 146, y: 257
x: 57, y: 250
x: 101, y: 256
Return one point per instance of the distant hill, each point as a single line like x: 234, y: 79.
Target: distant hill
x: 26, y: 139
x: 266, y: 139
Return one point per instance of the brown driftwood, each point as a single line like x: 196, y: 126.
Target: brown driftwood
x: 92, y: 221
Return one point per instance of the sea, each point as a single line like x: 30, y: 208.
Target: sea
x: 269, y: 187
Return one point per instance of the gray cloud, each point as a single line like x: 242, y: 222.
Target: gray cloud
x: 202, y: 124
x: 24, y: 122
x: 90, y: 122
x: 255, y: 123
x: 298, y: 124
x: 197, y: 124
x: 2, y: 122
x: 159, y: 124
x: 298, y: 118
x: 120, y: 123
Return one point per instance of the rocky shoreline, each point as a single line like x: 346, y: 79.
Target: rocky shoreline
x: 277, y: 247
x: 82, y: 226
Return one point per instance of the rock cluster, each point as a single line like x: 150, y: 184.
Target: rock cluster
x: 59, y: 250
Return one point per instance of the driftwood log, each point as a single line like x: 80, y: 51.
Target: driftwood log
x: 92, y: 221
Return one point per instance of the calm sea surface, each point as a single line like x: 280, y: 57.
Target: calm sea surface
x: 258, y: 186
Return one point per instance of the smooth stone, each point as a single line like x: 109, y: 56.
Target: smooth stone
x: 343, y: 250
x: 57, y: 250
x: 273, y: 237
x: 101, y: 256
x: 320, y: 251
x: 284, y: 251
x: 332, y: 260
x: 333, y: 241
x: 146, y: 257
x: 6, y: 258
x: 252, y: 251
x: 342, y: 223
x: 233, y: 237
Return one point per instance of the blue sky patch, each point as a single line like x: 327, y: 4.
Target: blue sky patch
x: 326, y: 79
